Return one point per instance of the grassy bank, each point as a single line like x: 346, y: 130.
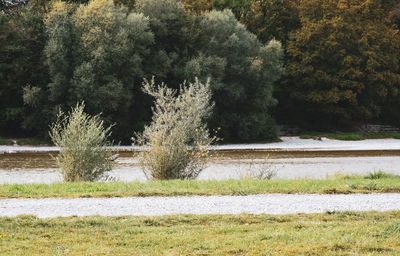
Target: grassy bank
x: 25, y: 141
x: 6, y: 141
x: 335, y: 233
x: 373, y: 183
x: 304, y: 135
x: 350, y: 135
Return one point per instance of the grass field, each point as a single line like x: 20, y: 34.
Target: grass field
x: 377, y: 182
x: 332, y: 233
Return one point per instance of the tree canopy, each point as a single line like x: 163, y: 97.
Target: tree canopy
x: 344, y: 60
x: 310, y: 63
x: 242, y: 72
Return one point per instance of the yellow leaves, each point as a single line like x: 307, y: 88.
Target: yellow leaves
x: 97, y: 8
x: 58, y: 5
x: 98, y: 12
x: 58, y: 10
x: 351, y: 42
x: 343, y: 4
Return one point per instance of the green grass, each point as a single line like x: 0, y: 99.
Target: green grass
x: 373, y: 183
x: 331, y: 233
x: 350, y: 135
x: 6, y: 141
x: 380, y: 175
x: 33, y: 141
x: 25, y: 141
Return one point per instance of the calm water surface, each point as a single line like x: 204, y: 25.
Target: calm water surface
x: 40, y: 167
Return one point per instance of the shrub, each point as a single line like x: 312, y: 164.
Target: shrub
x: 176, y: 142
x: 82, y: 140
x: 261, y: 171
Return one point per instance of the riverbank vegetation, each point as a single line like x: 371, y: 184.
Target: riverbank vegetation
x: 377, y: 182
x: 350, y: 135
x: 25, y: 141
x: 303, y: 135
x: 177, y: 141
x: 331, y: 233
x: 285, y: 61
x: 85, y: 153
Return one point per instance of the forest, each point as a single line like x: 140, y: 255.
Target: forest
x: 315, y: 64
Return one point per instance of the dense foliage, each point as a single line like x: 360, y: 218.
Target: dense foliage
x: 243, y: 72
x: 339, y: 59
x: 95, y: 53
x: 344, y: 61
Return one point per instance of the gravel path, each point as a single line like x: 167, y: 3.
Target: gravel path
x: 150, y: 206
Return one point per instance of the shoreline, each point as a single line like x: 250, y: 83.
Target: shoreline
x: 294, y: 144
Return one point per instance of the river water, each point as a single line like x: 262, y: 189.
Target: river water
x: 290, y: 159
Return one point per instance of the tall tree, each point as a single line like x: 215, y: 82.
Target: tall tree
x: 22, y: 40
x: 197, y: 6
x: 271, y: 19
x: 242, y: 72
x: 238, y: 7
x: 344, y: 60
x: 169, y: 23
x: 130, y: 4
x: 95, y: 53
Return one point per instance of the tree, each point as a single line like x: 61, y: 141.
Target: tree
x: 169, y: 23
x: 95, y: 53
x: 10, y: 109
x: 395, y: 15
x: 242, y: 71
x: 22, y: 40
x: 267, y: 19
x: 111, y: 47
x: 197, y: 6
x: 344, y: 61
x: 272, y: 19
x: 238, y: 7
x: 130, y: 4
x: 176, y: 142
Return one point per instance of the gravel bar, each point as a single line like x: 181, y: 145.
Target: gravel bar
x: 152, y: 206
x: 287, y: 144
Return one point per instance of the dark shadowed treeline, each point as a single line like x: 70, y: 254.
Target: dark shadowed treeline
x: 313, y: 63
x: 342, y: 58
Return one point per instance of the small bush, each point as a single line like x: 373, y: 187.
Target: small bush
x: 177, y: 141
x: 262, y: 171
x: 82, y: 140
